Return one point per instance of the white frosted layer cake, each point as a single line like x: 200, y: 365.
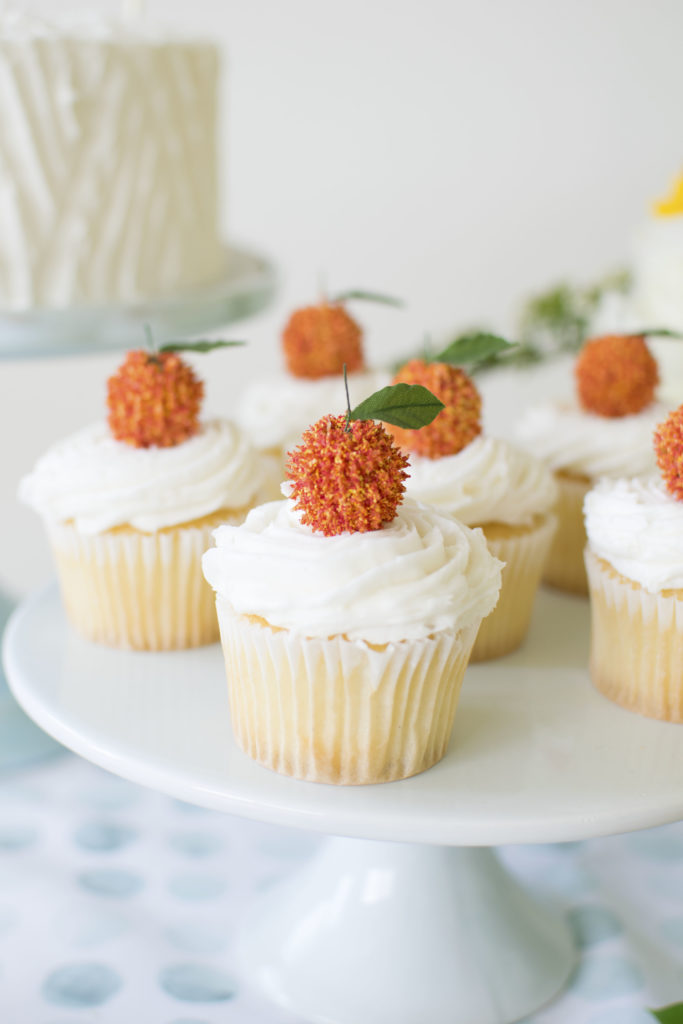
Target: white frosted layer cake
x: 108, y: 164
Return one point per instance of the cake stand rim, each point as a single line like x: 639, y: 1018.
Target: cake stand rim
x: 246, y: 288
x: 264, y: 796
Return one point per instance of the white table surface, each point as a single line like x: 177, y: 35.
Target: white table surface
x: 119, y: 904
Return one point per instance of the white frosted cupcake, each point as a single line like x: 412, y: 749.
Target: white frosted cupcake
x: 485, y: 483
x: 346, y: 621
x: 128, y: 524
x: 275, y: 410
x: 317, y: 342
x: 510, y: 495
x: 635, y: 571
x: 606, y: 431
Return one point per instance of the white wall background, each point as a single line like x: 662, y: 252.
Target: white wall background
x: 459, y: 154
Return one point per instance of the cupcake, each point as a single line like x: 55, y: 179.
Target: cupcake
x: 317, y: 342
x: 606, y: 431
x: 635, y: 572
x: 347, y: 615
x: 130, y: 505
x: 487, y: 483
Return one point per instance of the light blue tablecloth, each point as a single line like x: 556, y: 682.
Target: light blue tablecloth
x: 119, y: 906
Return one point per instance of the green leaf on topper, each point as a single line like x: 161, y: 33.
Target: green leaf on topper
x: 357, y: 294
x: 669, y: 1014
x: 656, y: 332
x: 206, y: 345
x: 475, y: 347
x: 403, y: 405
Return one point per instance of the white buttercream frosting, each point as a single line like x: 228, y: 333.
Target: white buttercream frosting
x: 422, y: 573
x: 490, y: 480
x: 637, y: 526
x: 276, y: 410
x: 567, y: 438
x: 100, y: 483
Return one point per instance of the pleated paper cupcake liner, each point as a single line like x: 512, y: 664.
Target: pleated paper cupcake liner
x: 341, y: 711
x: 636, y: 656
x: 524, y: 551
x: 565, y: 568
x: 124, y: 588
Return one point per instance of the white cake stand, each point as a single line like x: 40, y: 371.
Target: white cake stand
x: 409, y: 919
x: 246, y: 287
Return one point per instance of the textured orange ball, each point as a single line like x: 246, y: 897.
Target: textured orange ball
x: 154, y: 400
x: 616, y: 375
x: 456, y: 425
x: 346, y: 480
x: 318, y: 340
x: 669, y: 452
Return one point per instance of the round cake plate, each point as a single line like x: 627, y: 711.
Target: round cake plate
x: 247, y: 287
x: 409, y: 917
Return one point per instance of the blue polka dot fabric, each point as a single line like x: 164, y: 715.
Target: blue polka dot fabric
x: 118, y: 904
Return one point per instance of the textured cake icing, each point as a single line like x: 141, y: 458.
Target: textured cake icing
x: 421, y: 573
x: 108, y: 164
x: 98, y: 483
x: 487, y: 481
x: 567, y: 438
x: 637, y: 527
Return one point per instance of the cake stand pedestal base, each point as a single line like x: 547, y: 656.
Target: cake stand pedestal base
x: 378, y: 931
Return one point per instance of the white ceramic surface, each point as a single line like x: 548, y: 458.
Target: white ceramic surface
x: 374, y: 932
x: 247, y: 288
x: 537, y: 754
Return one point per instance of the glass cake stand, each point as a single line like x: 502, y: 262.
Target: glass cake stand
x: 408, y: 916
x: 247, y: 287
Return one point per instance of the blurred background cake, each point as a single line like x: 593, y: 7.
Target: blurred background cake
x: 109, y: 186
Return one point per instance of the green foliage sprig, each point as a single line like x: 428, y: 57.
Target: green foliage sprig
x: 669, y: 1014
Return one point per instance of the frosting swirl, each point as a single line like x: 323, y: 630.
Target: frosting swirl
x: 488, y: 481
x: 100, y: 483
x: 422, y: 573
x: 637, y: 527
x: 566, y: 437
x: 275, y: 411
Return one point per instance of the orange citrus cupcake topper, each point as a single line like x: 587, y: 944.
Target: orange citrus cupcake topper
x: 616, y: 375
x: 460, y: 421
x: 318, y: 341
x: 457, y: 424
x: 347, y: 474
x: 668, y: 442
x: 154, y: 397
x: 346, y: 480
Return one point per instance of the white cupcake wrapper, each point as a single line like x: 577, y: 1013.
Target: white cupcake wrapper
x: 564, y: 566
x: 524, y: 555
x: 341, y: 711
x: 124, y: 588
x: 636, y: 654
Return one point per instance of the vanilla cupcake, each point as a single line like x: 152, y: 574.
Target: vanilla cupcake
x: 484, y: 482
x: 130, y: 506
x: 606, y: 431
x: 635, y: 571
x: 346, y: 620
x: 317, y: 342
